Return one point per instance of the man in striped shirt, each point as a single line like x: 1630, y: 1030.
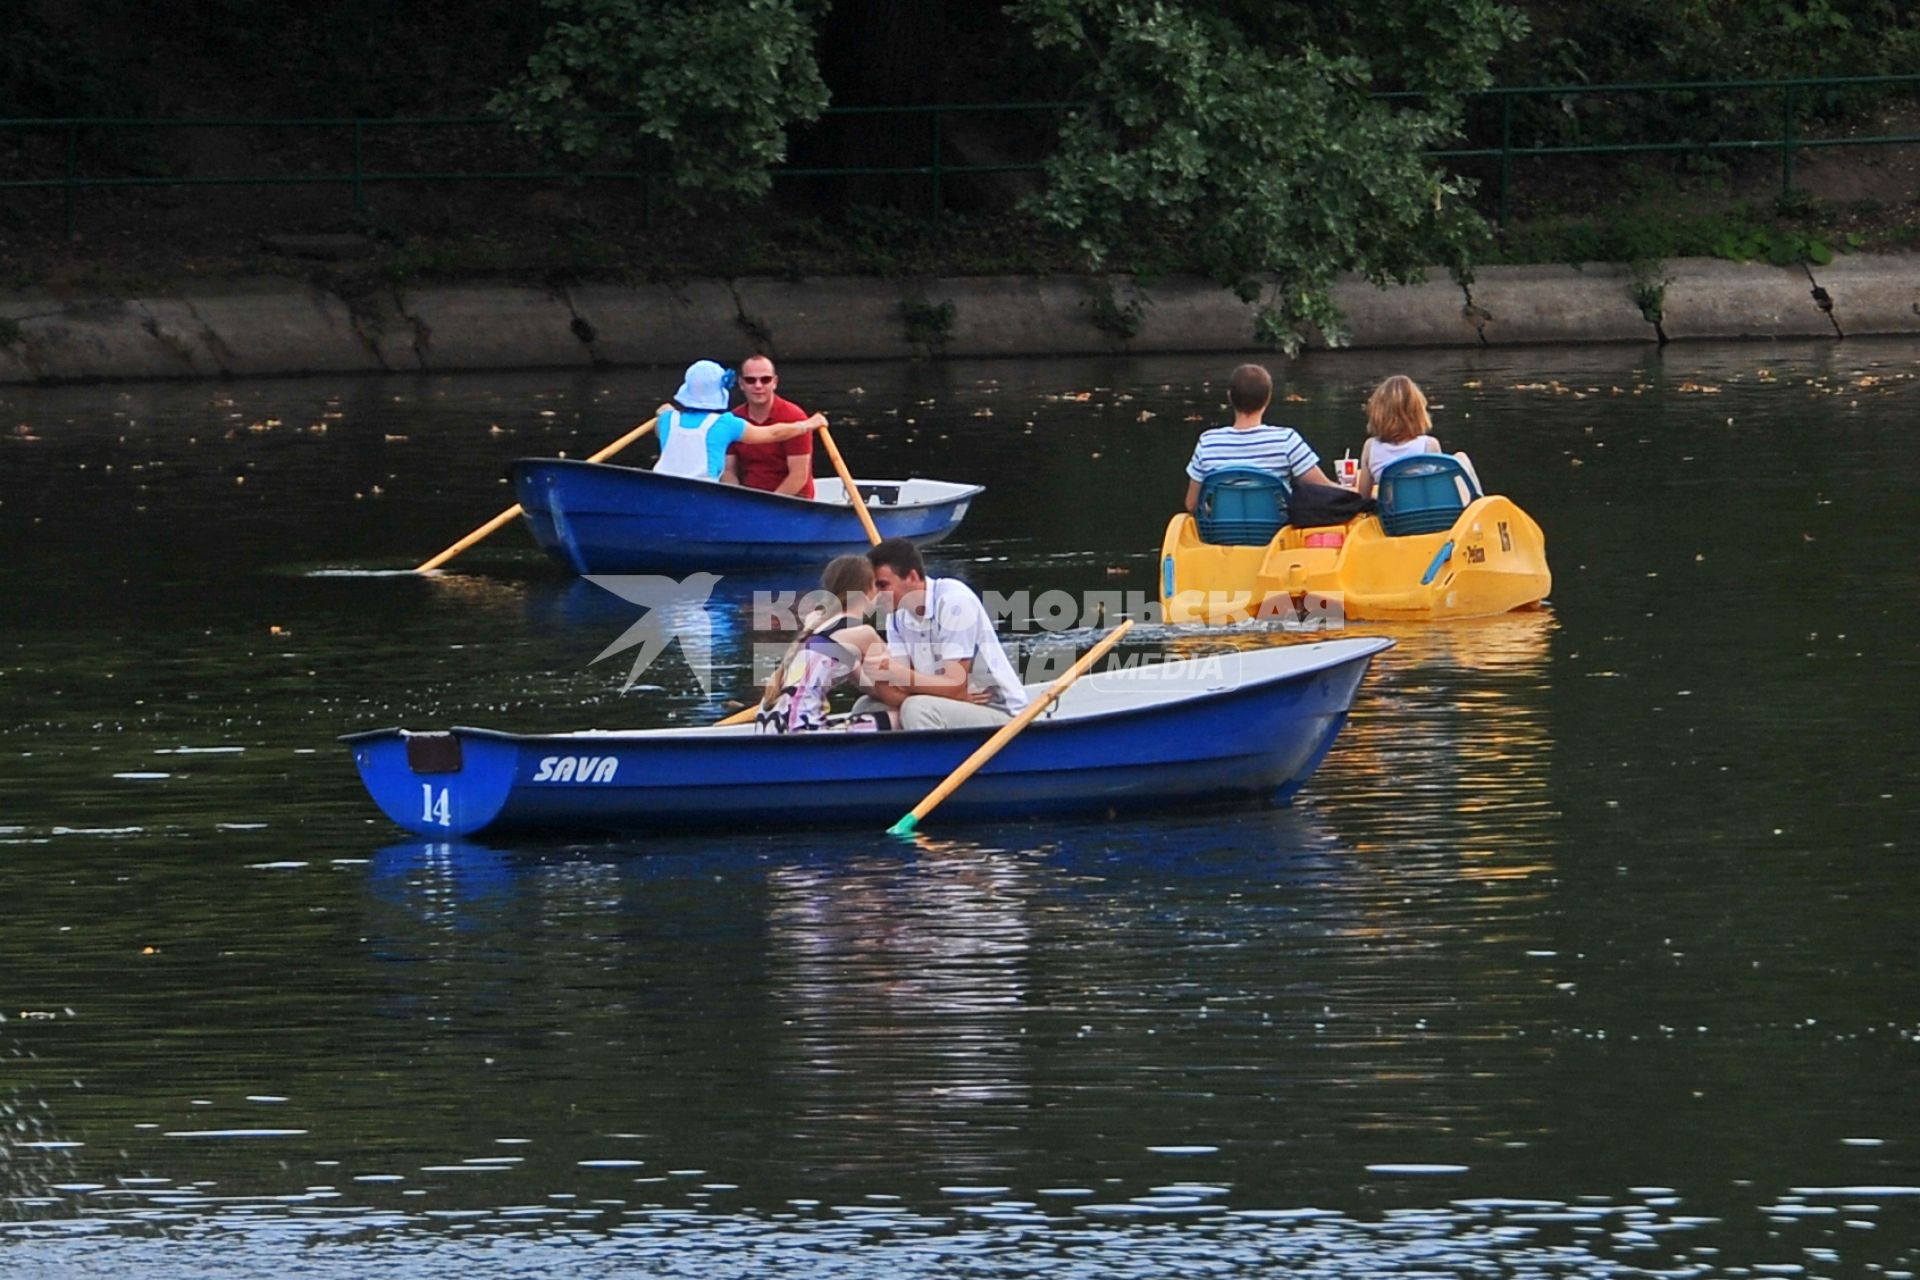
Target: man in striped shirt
x: 1249, y: 442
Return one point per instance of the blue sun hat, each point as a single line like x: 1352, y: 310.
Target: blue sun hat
x: 706, y: 387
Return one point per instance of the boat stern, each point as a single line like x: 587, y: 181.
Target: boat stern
x: 1201, y: 582
x: 1493, y: 560
x: 436, y: 784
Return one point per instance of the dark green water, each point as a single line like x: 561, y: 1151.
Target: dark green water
x: 1590, y: 951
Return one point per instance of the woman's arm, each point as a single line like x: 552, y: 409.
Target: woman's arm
x: 774, y: 433
x: 1363, y: 478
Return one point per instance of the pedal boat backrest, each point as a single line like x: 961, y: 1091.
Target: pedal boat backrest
x: 1241, y: 507
x: 1423, y: 495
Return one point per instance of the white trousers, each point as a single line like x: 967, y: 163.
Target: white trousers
x: 922, y: 711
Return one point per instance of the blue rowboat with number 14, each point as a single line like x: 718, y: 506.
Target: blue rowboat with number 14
x: 1230, y: 728
x: 595, y: 517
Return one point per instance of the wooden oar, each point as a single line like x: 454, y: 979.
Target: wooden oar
x: 506, y: 517
x: 853, y: 490
x: 1007, y: 733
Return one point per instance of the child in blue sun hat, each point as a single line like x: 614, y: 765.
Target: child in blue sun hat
x: 696, y: 429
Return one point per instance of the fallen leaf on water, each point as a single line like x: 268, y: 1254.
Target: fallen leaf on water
x: 396, y: 439
x: 1294, y: 397
x: 149, y: 951
x: 1146, y: 415
x: 1472, y: 384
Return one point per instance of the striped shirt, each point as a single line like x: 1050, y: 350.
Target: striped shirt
x: 1279, y: 450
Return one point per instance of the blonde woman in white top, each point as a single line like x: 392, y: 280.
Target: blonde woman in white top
x: 1397, y: 428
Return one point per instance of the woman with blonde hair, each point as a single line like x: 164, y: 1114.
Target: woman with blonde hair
x: 1397, y: 427
x: 832, y: 648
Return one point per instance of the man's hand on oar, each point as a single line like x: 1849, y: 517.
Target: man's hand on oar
x: 1007, y: 733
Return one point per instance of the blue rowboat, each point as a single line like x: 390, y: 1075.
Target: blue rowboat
x: 1230, y: 728
x: 594, y: 517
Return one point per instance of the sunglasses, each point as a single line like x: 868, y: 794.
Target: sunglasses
x: 754, y: 380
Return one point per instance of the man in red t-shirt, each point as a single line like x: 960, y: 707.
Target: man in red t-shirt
x: 786, y: 467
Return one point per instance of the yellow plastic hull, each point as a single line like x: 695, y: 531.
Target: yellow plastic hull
x: 1494, y: 559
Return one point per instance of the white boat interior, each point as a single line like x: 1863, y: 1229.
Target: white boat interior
x: 892, y: 493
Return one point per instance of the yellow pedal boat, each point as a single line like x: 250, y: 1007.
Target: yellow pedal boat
x: 1469, y: 556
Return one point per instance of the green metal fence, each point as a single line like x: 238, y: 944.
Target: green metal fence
x: 937, y: 168
x: 1786, y: 143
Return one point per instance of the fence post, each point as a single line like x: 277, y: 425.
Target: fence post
x: 73, y: 168
x: 1786, y: 149
x: 938, y: 138
x: 359, y: 189
x: 1506, y: 156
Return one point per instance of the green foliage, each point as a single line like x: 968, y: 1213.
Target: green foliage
x: 928, y: 324
x: 1650, y: 233
x: 1613, y: 41
x: 1640, y: 41
x: 702, y: 91
x: 1262, y: 157
x: 1781, y: 247
x: 1649, y: 290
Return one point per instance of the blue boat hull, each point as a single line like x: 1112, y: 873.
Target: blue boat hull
x: 599, y: 518
x: 1255, y: 740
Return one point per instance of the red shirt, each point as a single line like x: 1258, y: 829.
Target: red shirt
x: 764, y: 466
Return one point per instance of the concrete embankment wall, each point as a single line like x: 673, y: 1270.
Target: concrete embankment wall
x: 277, y: 326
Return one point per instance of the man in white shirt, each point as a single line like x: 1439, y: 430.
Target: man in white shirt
x: 946, y: 669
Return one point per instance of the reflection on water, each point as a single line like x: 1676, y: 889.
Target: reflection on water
x: 904, y: 988
x: 1588, y: 952
x: 38, y: 1169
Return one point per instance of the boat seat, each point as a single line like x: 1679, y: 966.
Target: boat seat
x: 1241, y: 507
x: 1424, y: 494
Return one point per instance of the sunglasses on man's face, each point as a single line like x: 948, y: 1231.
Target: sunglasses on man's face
x: 754, y: 380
